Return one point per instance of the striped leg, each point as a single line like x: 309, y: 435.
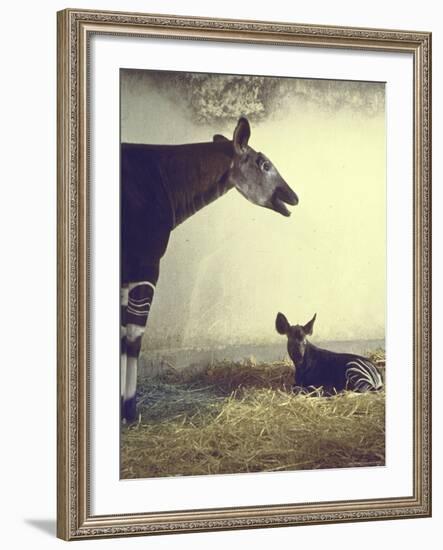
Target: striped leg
x: 123, y: 356
x: 140, y: 296
x: 362, y: 376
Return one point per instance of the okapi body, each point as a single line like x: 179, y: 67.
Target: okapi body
x: 317, y: 367
x: 162, y: 186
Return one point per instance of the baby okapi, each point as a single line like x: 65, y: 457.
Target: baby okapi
x: 323, y: 368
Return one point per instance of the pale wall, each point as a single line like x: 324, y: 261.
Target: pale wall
x: 233, y: 265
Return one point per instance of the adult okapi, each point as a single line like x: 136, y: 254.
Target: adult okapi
x: 162, y: 186
x: 317, y: 367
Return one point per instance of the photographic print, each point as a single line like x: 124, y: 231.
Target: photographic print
x: 244, y: 288
x: 253, y: 274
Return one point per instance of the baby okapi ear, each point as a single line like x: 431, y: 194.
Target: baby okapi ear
x: 309, y: 327
x: 242, y: 133
x: 218, y: 138
x: 281, y: 324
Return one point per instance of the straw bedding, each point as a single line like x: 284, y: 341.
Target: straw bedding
x: 243, y: 417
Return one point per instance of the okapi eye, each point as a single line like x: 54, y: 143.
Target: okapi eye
x: 262, y: 163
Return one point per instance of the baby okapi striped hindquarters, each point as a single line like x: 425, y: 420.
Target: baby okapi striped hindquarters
x: 162, y: 186
x: 317, y: 367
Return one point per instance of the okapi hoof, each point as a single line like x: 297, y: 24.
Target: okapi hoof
x: 129, y: 410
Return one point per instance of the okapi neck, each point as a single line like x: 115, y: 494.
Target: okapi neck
x: 307, y: 356
x: 197, y: 176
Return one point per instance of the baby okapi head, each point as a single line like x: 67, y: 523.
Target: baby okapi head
x: 296, y: 336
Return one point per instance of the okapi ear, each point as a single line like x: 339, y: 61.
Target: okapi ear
x: 281, y: 324
x: 242, y: 133
x: 309, y: 327
x: 218, y: 138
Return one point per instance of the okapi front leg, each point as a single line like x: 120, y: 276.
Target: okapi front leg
x: 140, y: 296
x: 123, y: 356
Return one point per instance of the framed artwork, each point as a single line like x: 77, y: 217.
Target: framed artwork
x: 244, y: 284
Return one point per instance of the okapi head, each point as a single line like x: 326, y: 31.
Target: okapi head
x: 254, y: 175
x: 296, y: 336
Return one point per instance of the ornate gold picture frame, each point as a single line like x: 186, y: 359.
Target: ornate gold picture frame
x: 76, y: 517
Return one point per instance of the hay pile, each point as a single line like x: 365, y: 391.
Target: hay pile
x: 226, y: 377
x: 241, y: 417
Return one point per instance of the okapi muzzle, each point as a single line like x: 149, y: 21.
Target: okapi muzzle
x: 255, y: 177
x: 320, y: 368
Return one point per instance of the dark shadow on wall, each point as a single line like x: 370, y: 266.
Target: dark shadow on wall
x: 48, y: 526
